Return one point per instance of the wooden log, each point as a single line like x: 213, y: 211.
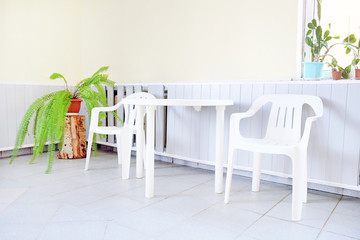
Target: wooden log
x: 74, y: 145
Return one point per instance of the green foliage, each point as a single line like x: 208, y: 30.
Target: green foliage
x: 335, y: 67
x: 50, y: 113
x: 317, y: 39
x: 350, y: 46
x: 58, y: 75
x: 345, y: 72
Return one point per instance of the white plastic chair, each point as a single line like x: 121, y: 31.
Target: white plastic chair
x: 283, y: 136
x: 123, y: 133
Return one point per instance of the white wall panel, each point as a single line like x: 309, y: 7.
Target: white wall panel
x: 4, y: 122
x: 110, y: 118
x: 158, y: 91
x: 205, y: 124
x: 350, y: 148
x: 312, y: 147
x: 195, y: 140
x: 267, y: 158
x: 336, y: 131
x: 244, y: 157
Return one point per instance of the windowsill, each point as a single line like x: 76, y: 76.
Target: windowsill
x: 327, y: 81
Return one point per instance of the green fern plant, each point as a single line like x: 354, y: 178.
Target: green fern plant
x: 50, y: 112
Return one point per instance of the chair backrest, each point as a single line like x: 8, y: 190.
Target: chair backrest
x: 286, y: 114
x: 131, y: 110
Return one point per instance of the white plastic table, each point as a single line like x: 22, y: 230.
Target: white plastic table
x: 150, y: 105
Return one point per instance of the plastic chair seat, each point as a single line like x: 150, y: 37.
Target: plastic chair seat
x: 267, y: 145
x: 109, y: 130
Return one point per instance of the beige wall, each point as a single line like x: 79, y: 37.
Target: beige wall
x: 191, y: 40
x: 148, y: 40
x: 39, y: 37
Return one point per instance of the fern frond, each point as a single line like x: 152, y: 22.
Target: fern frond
x: 42, y: 130
x: 104, y: 80
x: 57, y: 76
x: 102, y: 69
x: 23, y: 128
x: 62, y: 103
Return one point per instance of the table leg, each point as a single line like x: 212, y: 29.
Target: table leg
x: 140, y: 141
x: 219, y: 150
x: 149, y: 178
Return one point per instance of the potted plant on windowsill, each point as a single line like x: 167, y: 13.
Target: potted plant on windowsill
x: 335, y: 69
x: 316, y: 39
x: 349, y: 42
x: 50, y: 112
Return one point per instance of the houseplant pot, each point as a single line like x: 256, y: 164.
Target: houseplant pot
x: 313, y: 69
x: 336, y: 75
x: 75, y: 105
x: 50, y: 113
x: 357, y: 74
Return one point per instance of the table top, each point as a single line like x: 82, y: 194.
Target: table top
x: 180, y: 102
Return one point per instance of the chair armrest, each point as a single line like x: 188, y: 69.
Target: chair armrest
x: 96, y: 111
x: 107, y: 109
x: 307, y: 128
x: 235, y: 119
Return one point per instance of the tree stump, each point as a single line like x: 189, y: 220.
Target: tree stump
x: 74, y: 145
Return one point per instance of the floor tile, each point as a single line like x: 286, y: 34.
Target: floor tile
x: 150, y: 221
x: 268, y: 228
x: 259, y: 202
x: 314, y: 213
x: 230, y: 219
x: 20, y: 231
x: 9, y: 195
x: 332, y: 236
x: 74, y: 230
x: 349, y: 206
x: 342, y: 224
x: 194, y: 230
x: 116, y: 231
x: 183, y: 204
x: 112, y: 207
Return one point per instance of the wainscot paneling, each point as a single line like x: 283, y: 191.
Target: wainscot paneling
x: 185, y: 134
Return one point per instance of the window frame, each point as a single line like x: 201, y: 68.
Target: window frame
x: 306, y: 12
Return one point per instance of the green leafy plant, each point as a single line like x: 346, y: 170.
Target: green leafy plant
x: 345, y: 71
x: 334, y: 64
x: 317, y: 39
x: 350, y: 46
x: 50, y: 112
x: 335, y: 67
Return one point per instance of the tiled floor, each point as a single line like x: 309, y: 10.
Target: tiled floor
x: 72, y: 204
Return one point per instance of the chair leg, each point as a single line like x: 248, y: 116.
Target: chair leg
x: 229, y: 173
x: 119, y: 148
x: 297, y: 190
x: 304, y: 177
x: 88, y: 153
x: 256, y: 171
x: 140, y: 150
x: 125, y: 156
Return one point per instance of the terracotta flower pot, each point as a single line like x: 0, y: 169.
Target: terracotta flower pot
x: 357, y: 74
x: 75, y: 105
x: 336, y: 75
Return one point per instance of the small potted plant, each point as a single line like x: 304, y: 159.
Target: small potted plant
x: 336, y: 72
x: 50, y: 112
x: 317, y: 40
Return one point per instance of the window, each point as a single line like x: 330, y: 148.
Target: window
x: 344, y: 18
